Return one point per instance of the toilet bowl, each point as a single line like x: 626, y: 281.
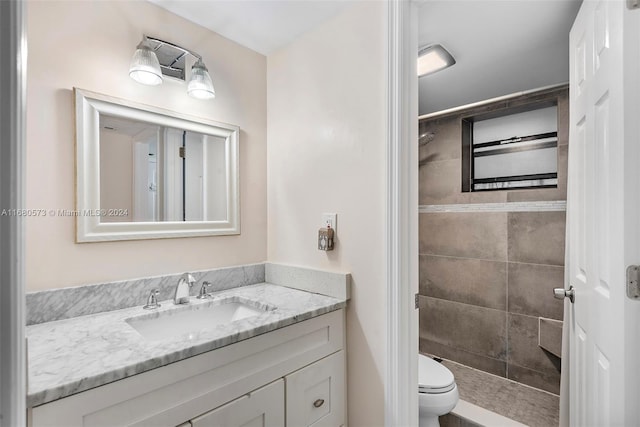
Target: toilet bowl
x: 437, y: 391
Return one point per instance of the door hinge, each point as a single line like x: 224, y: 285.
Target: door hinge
x: 417, y: 301
x: 633, y: 4
x: 181, y: 152
x: 633, y: 282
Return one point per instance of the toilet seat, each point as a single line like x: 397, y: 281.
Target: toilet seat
x: 433, y: 377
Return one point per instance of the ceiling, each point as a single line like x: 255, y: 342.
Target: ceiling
x: 500, y: 47
x: 260, y: 25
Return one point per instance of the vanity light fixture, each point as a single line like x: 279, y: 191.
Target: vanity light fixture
x: 433, y: 58
x: 200, y: 84
x: 145, y: 67
x: 155, y: 58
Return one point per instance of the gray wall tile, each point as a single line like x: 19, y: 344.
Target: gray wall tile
x: 471, y: 281
x: 531, y: 289
x: 545, y: 381
x: 563, y: 119
x: 466, y: 235
x: 537, y: 237
x: 474, y: 329
x: 463, y: 255
x: 441, y: 183
x: 486, y: 364
x: 445, y: 143
x: 536, y: 195
x: 488, y: 197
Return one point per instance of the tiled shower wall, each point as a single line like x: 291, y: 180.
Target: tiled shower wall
x: 487, y: 277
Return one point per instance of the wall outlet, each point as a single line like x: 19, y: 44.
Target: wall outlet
x: 330, y: 219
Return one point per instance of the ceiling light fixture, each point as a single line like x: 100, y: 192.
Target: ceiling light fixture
x: 155, y: 58
x: 433, y: 58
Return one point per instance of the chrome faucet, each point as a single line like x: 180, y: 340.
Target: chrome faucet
x: 203, y: 290
x: 152, y: 300
x: 181, y: 296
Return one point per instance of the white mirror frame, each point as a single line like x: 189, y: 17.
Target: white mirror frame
x: 88, y: 106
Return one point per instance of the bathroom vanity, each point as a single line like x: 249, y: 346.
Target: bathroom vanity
x: 282, y: 366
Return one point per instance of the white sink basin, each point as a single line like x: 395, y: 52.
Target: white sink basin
x: 188, y: 320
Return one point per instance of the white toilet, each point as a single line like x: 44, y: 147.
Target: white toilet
x: 437, y: 394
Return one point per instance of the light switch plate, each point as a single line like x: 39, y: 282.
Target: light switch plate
x: 330, y: 219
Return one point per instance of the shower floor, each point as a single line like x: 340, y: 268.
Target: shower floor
x: 519, y: 402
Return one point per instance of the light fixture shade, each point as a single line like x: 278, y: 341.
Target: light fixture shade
x: 200, y: 84
x: 145, y: 67
x: 432, y: 59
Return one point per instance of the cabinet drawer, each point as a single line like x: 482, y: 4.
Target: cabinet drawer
x: 261, y: 408
x: 316, y: 393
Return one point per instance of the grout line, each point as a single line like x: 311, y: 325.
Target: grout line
x: 457, y: 159
x: 492, y: 260
x: 507, y: 356
x: 467, y: 304
x: 461, y: 257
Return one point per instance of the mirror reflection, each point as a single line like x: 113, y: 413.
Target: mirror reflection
x: 143, y: 172
x: 151, y: 173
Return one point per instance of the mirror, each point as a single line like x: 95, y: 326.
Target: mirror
x: 144, y: 172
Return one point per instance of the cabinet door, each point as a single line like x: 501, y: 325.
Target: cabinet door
x: 261, y: 408
x: 316, y: 394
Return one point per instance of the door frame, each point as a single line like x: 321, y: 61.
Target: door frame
x: 13, y: 41
x: 401, y: 377
x: 631, y: 85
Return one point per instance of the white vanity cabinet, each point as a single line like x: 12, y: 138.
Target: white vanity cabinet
x: 261, y: 408
x: 314, y: 397
x: 293, y: 376
x: 315, y: 394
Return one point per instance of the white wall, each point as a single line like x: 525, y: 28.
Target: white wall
x: 326, y: 153
x: 89, y: 44
x: 501, y: 47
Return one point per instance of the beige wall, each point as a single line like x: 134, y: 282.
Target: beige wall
x: 326, y: 153
x: 89, y: 44
x: 116, y: 174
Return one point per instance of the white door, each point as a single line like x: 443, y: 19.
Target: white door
x: 602, y: 213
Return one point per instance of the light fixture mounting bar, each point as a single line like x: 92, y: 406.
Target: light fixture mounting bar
x: 172, y: 57
x: 173, y: 45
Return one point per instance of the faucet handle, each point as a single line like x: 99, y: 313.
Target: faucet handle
x: 203, y: 290
x: 152, y: 300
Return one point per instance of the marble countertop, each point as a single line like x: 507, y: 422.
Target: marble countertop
x: 73, y: 355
